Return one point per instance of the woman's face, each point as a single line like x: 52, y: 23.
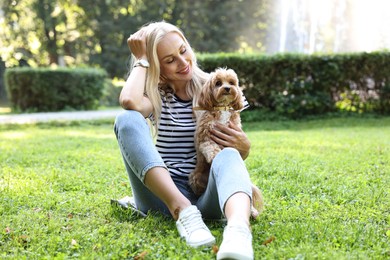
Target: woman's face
x: 175, y: 59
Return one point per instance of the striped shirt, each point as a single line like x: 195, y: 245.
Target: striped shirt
x: 175, y: 137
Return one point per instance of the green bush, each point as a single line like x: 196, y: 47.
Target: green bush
x: 111, y: 92
x: 297, y: 85
x: 47, y: 89
x: 300, y: 98
x: 3, y: 94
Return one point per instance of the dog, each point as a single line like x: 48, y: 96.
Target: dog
x: 220, y: 100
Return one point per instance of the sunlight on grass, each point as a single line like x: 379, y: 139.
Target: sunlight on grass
x: 15, y: 135
x: 4, y: 184
x: 88, y: 134
x: 5, y: 110
x: 28, y: 183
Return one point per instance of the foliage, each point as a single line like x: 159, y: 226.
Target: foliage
x: 39, y: 32
x: 94, y: 32
x: 110, y: 96
x: 300, y: 98
x: 224, y: 26
x: 298, y: 85
x: 325, y: 189
x: 3, y: 93
x: 46, y: 89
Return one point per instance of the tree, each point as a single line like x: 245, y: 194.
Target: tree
x: 111, y: 23
x: 40, y: 32
x: 94, y: 32
x: 223, y: 26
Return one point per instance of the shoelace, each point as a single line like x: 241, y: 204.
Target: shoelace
x: 193, y: 222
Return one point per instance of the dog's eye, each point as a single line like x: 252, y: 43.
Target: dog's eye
x: 232, y: 82
x: 218, y: 83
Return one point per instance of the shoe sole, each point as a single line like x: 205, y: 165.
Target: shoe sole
x: 231, y: 255
x: 207, y: 243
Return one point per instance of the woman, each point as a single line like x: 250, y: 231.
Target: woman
x: 162, y: 86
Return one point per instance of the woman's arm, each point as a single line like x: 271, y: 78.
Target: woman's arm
x: 132, y: 95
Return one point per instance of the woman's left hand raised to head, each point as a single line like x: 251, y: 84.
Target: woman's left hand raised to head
x: 231, y: 136
x: 137, y: 44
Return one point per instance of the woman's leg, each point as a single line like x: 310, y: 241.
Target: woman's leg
x: 152, y: 185
x: 228, y: 177
x: 139, y: 156
x: 229, y: 193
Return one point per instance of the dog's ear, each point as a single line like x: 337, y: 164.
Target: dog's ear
x: 238, y: 102
x: 206, y: 94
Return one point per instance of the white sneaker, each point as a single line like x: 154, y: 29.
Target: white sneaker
x: 237, y: 243
x: 192, y: 228
x: 128, y: 203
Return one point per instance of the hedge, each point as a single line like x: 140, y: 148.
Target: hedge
x: 47, y: 89
x: 295, y: 85
x: 298, y: 85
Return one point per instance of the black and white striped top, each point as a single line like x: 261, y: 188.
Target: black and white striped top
x: 175, y: 137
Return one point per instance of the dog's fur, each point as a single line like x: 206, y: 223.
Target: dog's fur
x: 220, y: 101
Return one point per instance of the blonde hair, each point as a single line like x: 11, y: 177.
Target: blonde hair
x: 155, y: 87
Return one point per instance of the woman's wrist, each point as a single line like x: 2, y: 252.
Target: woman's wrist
x: 141, y: 63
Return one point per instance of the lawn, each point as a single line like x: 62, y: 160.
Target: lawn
x: 325, y: 183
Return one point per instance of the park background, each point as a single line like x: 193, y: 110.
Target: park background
x: 93, y: 33
x: 325, y: 178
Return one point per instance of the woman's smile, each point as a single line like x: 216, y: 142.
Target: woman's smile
x: 186, y: 70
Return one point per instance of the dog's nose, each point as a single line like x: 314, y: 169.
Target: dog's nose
x: 227, y: 89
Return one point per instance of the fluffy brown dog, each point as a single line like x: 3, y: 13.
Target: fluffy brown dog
x: 220, y: 101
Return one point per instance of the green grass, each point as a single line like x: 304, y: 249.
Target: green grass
x: 325, y: 183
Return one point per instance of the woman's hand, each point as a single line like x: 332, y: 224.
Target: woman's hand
x: 132, y: 95
x: 137, y: 44
x: 231, y: 136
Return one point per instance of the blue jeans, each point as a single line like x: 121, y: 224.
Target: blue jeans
x: 228, y: 174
